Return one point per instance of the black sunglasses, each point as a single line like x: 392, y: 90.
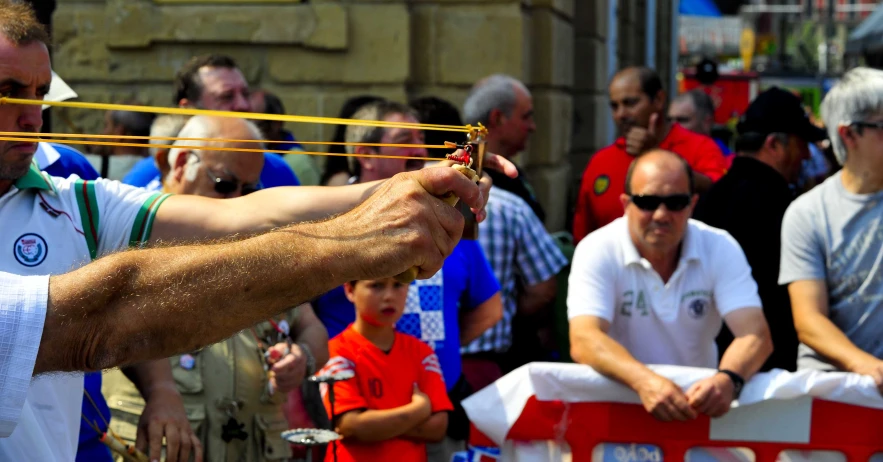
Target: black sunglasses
x: 224, y: 186
x: 675, y: 202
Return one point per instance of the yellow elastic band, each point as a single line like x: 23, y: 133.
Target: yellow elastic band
x: 226, y: 149
x: 240, y: 115
x: 48, y: 136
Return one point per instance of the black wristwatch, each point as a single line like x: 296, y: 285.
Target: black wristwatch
x: 737, y: 380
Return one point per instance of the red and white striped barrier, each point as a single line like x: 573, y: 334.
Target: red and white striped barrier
x: 543, y: 410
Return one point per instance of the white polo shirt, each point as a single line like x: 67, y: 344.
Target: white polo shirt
x: 662, y: 323
x: 53, y: 226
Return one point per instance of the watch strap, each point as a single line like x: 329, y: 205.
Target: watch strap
x: 738, y: 381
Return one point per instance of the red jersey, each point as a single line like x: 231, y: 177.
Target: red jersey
x: 383, y: 381
x: 604, y: 178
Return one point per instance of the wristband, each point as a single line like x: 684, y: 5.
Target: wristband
x: 738, y: 381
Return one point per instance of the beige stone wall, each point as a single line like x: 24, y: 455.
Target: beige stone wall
x: 316, y: 55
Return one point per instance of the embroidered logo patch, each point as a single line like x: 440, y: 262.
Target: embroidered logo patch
x: 697, y: 308
x: 601, y: 184
x: 30, y: 249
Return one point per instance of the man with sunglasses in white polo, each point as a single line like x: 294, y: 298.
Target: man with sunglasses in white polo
x: 653, y: 286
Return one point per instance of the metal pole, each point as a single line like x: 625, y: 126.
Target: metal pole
x: 650, y: 39
x: 612, y: 64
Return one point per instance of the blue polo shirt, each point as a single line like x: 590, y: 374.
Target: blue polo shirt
x: 432, y: 311
x: 276, y: 172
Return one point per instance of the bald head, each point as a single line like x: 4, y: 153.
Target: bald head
x: 658, y: 203
x: 201, y: 168
x: 659, y: 162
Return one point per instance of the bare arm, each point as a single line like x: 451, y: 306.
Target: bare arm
x: 752, y: 344
x: 474, y: 322
x: 372, y: 426
x: 310, y: 331
x: 534, y: 298
x: 591, y: 345
x: 138, y: 305
x: 809, y: 303
x: 151, y: 376
x: 432, y: 430
x: 189, y: 218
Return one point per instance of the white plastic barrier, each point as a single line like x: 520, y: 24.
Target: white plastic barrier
x: 533, y: 412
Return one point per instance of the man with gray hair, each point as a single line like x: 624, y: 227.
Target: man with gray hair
x: 832, y: 247
x: 504, y: 105
x: 694, y: 110
x: 212, y: 173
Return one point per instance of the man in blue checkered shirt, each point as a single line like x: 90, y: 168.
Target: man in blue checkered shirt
x: 526, y: 260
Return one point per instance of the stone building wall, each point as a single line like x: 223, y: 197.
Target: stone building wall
x: 316, y: 55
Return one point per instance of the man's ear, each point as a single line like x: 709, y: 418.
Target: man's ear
x: 848, y: 135
x: 184, y: 102
x: 496, y: 118
x: 178, y: 164
x: 365, y: 162
x: 659, y: 101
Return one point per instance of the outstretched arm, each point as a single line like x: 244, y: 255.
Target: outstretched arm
x: 188, y: 218
x: 146, y: 304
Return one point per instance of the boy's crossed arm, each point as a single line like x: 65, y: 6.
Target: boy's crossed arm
x: 414, y: 420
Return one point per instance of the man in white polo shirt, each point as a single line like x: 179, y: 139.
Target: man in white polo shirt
x: 651, y: 288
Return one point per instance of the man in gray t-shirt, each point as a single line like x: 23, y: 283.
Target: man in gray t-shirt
x: 832, y: 239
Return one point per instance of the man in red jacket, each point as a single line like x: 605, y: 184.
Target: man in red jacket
x: 638, y: 103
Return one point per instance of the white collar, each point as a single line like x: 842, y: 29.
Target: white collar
x: 45, y: 155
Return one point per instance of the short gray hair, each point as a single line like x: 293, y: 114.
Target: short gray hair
x: 701, y: 101
x: 167, y: 125
x: 858, y: 95
x: 494, y: 92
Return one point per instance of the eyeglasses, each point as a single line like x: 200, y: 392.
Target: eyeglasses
x: 680, y: 119
x: 225, y: 186
x: 649, y: 203
x: 877, y: 125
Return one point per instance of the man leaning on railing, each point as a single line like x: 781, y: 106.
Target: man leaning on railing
x: 651, y: 288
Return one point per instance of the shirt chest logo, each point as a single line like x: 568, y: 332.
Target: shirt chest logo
x: 30, y: 249
x: 601, y: 184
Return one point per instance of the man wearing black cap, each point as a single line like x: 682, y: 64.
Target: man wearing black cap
x: 750, y: 201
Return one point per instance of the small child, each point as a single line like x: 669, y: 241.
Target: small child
x: 397, y: 401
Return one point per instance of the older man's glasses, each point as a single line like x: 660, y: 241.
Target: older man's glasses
x: 649, y: 203
x: 225, y: 186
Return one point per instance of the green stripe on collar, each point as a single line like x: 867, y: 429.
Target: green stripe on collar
x: 34, y: 179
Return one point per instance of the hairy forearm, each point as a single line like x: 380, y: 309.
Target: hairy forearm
x: 140, y: 305
x: 475, y: 322
x: 537, y: 297
x: 608, y: 358
x: 432, y: 430
x: 151, y: 376
x: 746, y: 354
x: 380, y: 425
x: 819, y: 333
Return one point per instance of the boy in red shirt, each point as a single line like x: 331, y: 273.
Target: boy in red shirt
x: 397, y: 401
